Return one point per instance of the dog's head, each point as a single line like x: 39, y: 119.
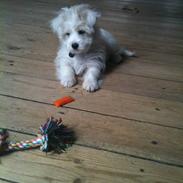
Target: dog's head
x: 75, y: 27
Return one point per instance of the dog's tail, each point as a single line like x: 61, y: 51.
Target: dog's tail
x: 117, y: 52
x: 127, y: 53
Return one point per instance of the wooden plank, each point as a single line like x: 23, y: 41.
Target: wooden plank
x: 32, y: 29
x: 159, y: 58
x: 141, y: 126
x: 117, y: 8
x: 166, y: 72
x: 110, y: 133
x: 148, y: 69
x: 30, y: 45
x: 122, y: 105
x: 130, y: 106
x: 20, y: 45
x: 115, y: 81
x: 82, y: 164
x: 109, y: 10
x: 172, y: 35
x: 126, y: 38
x: 151, y: 40
x: 131, y: 27
x: 31, y: 50
x: 29, y: 67
x: 143, y: 86
x: 30, y: 34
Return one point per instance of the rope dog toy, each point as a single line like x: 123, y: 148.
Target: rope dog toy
x: 52, y: 136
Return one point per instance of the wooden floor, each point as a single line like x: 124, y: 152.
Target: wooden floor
x: 130, y: 131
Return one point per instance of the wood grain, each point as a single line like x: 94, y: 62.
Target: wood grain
x: 110, y: 133
x: 129, y: 131
x: 122, y: 82
x: 151, y: 41
x: 122, y: 105
x: 82, y: 164
x: 19, y: 45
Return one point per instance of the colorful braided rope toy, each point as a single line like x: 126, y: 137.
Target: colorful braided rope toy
x: 53, y: 136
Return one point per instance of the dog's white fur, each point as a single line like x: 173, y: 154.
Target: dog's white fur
x: 77, y: 24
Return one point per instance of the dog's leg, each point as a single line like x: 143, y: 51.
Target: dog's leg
x: 92, y: 80
x: 66, y: 75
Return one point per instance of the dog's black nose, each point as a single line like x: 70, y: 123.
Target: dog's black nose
x: 75, y: 45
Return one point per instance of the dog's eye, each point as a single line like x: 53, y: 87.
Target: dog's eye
x: 67, y: 34
x: 81, y: 31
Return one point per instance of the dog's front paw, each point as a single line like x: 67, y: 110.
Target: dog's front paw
x: 68, y: 82
x: 91, y: 86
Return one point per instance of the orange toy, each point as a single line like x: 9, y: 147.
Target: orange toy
x: 62, y: 101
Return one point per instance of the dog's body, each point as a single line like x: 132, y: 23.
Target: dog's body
x: 84, y: 48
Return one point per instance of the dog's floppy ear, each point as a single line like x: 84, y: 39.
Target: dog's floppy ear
x: 55, y: 24
x: 92, y: 16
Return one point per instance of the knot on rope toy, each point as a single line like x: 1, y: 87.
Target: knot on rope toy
x: 52, y: 136
x: 3, y: 140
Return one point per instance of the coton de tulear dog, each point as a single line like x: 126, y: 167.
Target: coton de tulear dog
x: 84, y: 48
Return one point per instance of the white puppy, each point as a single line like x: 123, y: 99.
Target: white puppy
x: 84, y: 48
